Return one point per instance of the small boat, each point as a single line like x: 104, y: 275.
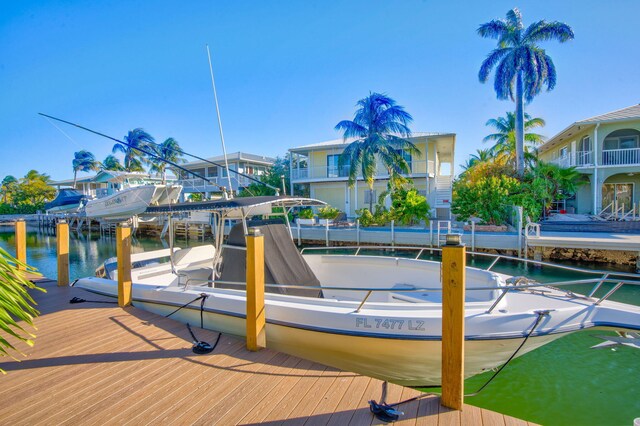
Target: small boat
x: 129, y: 194
x: 378, y: 316
x: 67, y: 200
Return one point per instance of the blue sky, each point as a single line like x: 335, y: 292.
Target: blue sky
x: 286, y: 71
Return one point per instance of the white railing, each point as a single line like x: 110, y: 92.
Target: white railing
x: 335, y: 172
x: 562, y: 161
x: 617, y: 157
x: 584, y: 158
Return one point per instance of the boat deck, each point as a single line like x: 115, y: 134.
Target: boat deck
x: 94, y: 363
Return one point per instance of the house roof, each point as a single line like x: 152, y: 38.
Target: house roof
x: 628, y: 113
x: 624, y: 114
x: 234, y: 156
x: 336, y: 143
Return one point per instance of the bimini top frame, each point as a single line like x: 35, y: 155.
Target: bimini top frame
x: 238, y: 208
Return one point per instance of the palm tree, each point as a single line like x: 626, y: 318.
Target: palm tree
x: 169, y: 150
x: 83, y: 161
x: 521, y: 63
x: 380, y: 128
x: 111, y: 162
x: 133, y: 158
x: 480, y: 156
x: 505, y: 138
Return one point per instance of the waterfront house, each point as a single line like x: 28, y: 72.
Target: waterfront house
x: 249, y: 164
x: 606, y: 149
x: 316, y: 166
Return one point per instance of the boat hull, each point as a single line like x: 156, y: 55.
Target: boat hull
x: 407, y: 362
x: 123, y: 204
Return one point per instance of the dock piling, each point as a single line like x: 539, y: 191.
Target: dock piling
x: 21, y: 242
x: 123, y: 252
x: 62, y: 247
x: 256, y: 335
x: 453, y: 293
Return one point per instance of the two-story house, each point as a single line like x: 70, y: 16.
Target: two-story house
x: 316, y: 165
x: 248, y: 164
x: 606, y: 149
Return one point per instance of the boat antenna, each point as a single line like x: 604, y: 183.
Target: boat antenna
x: 144, y: 151
x: 179, y: 151
x: 224, y: 148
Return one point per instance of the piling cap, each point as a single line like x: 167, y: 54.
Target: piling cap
x: 454, y: 239
x: 254, y: 232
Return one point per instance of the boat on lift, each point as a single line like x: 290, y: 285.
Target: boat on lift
x: 128, y: 194
x: 378, y: 316
x: 67, y: 200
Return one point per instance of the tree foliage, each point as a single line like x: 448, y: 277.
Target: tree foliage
x: 134, y: 159
x: 16, y: 304
x: 27, y: 194
x: 112, y: 163
x: 169, y: 150
x: 83, y: 161
x: 522, y: 68
x: 379, y: 132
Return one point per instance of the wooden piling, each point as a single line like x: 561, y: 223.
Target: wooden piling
x: 453, y: 289
x: 256, y: 336
x: 62, y: 246
x: 123, y: 251
x: 21, y: 242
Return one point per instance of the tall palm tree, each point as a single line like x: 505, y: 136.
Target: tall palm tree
x: 379, y: 129
x: 133, y: 158
x: 111, y: 162
x: 83, y: 161
x: 505, y: 137
x: 169, y: 150
x: 520, y: 62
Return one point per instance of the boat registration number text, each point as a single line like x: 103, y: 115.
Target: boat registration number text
x: 390, y: 324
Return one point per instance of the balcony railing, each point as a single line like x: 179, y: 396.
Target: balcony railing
x: 200, y: 185
x: 335, y: 172
x: 620, y: 157
x: 582, y: 158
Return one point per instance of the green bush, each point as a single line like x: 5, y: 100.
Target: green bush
x: 306, y: 214
x: 381, y: 216
x: 328, y: 212
x: 409, y: 207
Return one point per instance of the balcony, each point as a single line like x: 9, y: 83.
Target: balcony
x: 620, y: 157
x: 418, y: 168
x: 581, y: 159
x: 200, y: 185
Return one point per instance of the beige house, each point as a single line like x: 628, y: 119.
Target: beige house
x: 606, y: 149
x: 248, y: 164
x: 316, y: 165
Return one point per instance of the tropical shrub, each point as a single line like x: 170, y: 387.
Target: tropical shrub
x: 328, y: 212
x: 306, y: 214
x: 487, y: 199
x: 380, y: 216
x: 16, y: 304
x: 409, y: 207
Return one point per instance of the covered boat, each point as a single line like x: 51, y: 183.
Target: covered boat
x: 378, y: 316
x: 67, y: 200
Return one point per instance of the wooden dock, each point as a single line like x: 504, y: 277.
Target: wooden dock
x: 95, y: 363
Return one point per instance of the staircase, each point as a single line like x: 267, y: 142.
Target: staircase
x: 443, y: 191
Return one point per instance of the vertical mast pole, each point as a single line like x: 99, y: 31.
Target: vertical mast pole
x: 224, y: 148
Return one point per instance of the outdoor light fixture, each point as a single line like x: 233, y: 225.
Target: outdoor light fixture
x: 454, y: 239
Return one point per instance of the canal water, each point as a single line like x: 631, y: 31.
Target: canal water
x: 562, y: 383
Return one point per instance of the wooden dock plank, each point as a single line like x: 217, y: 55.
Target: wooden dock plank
x: 97, y: 364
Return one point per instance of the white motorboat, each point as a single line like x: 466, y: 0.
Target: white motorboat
x: 129, y: 194
x: 378, y: 316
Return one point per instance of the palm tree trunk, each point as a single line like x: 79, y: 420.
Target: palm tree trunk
x: 75, y: 173
x: 519, y: 126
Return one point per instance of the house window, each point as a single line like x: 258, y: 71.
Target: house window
x: 370, y: 196
x: 620, y: 193
x: 212, y: 171
x: 585, y: 144
x: 564, y: 151
x: 622, y: 142
x: 406, y: 155
x: 333, y: 168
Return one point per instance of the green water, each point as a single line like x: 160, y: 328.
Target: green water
x: 562, y: 383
